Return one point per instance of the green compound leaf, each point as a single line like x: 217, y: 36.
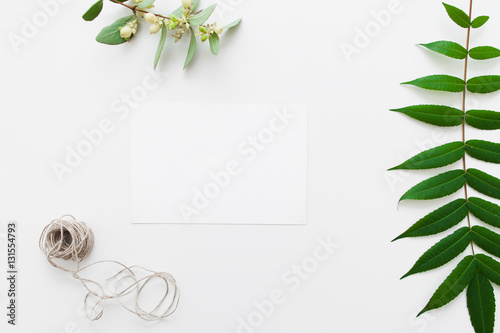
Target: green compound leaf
x: 439, y: 220
x: 458, y: 16
x: 489, y: 267
x: 476, y: 271
x: 111, y: 34
x: 159, y: 50
x: 483, y: 119
x: 486, y: 211
x: 442, y: 252
x: 178, y: 11
x: 479, y: 21
x: 214, y: 43
x: 486, y: 239
x: 450, y: 49
x: 484, y: 52
x: 439, y: 115
x: 437, y: 187
x: 145, y: 4
x: 483, y: 150
x: 232, y: 24
x: 93, y: 11
x: 202, y: 16
x: 192, y: 48
x: 439, y: 82
x: 483, y: 183
x: 453, y: 285
x: 484, y: 84
x: 435, y: 158
x: 481, y: 303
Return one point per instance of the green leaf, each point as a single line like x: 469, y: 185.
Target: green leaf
x: 159, y: 50
x: 484, y: 84
x: 483, y: 183
x: 450, y: 49
x: 435, y: 158
x: 436, y: 187
x: 93, y: 11
x: 483, y: 150
x: 483, y: 119
x: 439, y: 82
x: 145, y: 4
x: 486, y: 211
x: 111, y: 34
x: 214, y: 43
x: 486, y: 239
x: 195, y: 4
x: 489, y: 267
x: 192, y: 48
x: 438, y: 115
x: 178, y: 11
x: 439, y: 220
x: 453, y: 285
x: 202, y: 16
x: 442, y: 252
x: 481, y: 303
x: 458, y: 16
x: 484, y: 52
x: 232, y: 24
x: 479, y: 21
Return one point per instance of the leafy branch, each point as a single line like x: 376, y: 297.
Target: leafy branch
x: 184, y: 20
x: 477, y: 271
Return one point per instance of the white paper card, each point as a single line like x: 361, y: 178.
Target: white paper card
x: 219, y: 164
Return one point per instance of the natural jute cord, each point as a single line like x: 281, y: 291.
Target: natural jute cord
x: 68, y: 239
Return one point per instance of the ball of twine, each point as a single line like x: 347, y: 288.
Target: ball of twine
x: 67, y: 239
x: 71, y: 240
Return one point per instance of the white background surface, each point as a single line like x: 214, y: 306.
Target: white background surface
x: 63, y: 82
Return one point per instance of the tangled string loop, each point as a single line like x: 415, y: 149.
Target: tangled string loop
x: 67, y: 240
x: 71, y: 240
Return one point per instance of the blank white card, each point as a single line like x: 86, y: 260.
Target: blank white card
x: 219, y: 164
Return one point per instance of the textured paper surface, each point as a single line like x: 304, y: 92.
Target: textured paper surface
x: 219, y: 164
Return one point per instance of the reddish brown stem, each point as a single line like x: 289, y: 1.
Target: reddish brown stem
x: 135, y: 9
x: 464, y: 165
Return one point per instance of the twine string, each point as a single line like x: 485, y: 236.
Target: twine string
x: 71, y: 240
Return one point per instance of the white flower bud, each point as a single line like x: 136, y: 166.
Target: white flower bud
x: 150, y: 18
x: 125, y: 32
x: 218, y: 29
x: 154, y: 28
x: 187, y: 3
